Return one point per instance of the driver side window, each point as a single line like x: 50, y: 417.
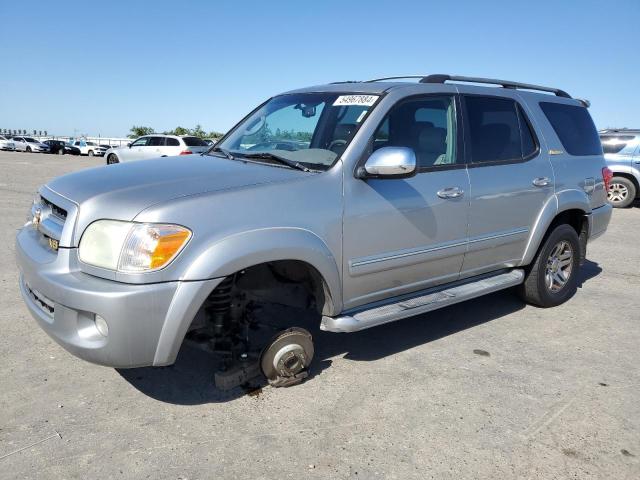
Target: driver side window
x: 427, y: 125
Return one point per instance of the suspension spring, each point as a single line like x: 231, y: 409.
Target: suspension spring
x: 219, y: 304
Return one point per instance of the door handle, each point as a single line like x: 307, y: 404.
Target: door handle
x: 450, y: 192
x: 541, y: 181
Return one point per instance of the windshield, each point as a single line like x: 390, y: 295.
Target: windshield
x: 310, y: 128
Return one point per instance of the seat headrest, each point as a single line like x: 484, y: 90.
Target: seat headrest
x: 432, y: 140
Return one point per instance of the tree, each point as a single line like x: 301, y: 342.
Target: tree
x: 139, y: 131
x: 215, y: 135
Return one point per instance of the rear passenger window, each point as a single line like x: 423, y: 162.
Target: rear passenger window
x: 574, y: 128
x: 498, y: 130
x: 173, y: 142
x: 156, y: 142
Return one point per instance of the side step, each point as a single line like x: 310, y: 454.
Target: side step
x: 408, y: 307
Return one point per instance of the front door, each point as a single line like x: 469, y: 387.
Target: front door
x: 511, y: 180
x: 404, y: 235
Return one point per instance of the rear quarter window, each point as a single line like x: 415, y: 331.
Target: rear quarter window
x: 574, y: 127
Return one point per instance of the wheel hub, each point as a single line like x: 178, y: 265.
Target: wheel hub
x: 285, y: 359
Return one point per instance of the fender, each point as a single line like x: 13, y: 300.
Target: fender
x: 243, y: 250
x: 570, y: 199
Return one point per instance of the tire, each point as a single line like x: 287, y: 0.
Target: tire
x: 622, y: 192
x: 28, y: 150
x: 552, y: 279
x: 61, y: 151
x: 112, y: 159
x: 90, y: 153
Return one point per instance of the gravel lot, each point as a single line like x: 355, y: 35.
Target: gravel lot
x: 486, y: 389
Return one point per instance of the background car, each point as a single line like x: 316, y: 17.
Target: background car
x: 153, y: 146
x: 29, y: 144
x: 59, y: 147
x: 89, y: 148
x: 6, y: 143
x: 622, y: 152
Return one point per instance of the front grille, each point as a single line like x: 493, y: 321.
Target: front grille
x: 59, y: 212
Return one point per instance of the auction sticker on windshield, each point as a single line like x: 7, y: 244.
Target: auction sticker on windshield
x: 364, y: 100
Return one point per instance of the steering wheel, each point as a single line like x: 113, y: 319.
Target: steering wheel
x: 337, y: 143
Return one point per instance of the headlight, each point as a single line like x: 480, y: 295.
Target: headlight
x: 131, y: 247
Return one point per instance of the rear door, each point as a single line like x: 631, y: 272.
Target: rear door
x: 511, y: 180
x: 172, y: 147
x: 155, y: 147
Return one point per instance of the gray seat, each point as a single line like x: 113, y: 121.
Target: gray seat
x: 431, y: 147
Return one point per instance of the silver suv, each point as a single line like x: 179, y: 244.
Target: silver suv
x: 622, y: 153
x: 389, y: 199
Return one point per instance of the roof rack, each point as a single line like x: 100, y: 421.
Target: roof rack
x: 441, y: 78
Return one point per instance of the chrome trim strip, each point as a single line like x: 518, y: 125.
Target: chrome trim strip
x: 435, y: 249
x: 408, y: 254
x: 499, y: 235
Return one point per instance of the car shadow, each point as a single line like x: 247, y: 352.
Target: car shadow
x: 190, y: 380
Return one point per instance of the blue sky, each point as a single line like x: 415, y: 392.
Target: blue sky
x: 101, y: 67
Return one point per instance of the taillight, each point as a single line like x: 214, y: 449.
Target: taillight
x: 607, y: 175
x: 186, y: 152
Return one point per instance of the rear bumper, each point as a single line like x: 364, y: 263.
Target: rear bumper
x: 599, y: 221
x: 146, y: 323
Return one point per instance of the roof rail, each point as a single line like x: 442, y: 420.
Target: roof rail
x: 399, y: 77
x: 440, y: 78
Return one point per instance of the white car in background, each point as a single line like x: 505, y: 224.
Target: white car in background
x: 156, y: 145
x: 89, y: 148
x: 29, y: 144
x: 7, y: 143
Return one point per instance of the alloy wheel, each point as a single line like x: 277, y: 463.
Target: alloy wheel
x: 617, y: 193
x: 559, y: 266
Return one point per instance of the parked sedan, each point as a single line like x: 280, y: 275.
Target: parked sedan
x: 29, y: 144
x: 59, y: 147
x: 152, y: 146
x: 7, y: 143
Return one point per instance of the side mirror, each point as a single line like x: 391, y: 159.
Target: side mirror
x: 129, y: 145
x: 389, y: 162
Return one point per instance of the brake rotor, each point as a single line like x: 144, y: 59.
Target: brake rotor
x: 285, y: 360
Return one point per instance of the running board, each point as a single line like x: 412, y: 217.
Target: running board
x: 408, y: 307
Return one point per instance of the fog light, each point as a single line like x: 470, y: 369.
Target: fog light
x: 101, y: 325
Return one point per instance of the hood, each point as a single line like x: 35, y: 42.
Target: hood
x: 123, y: 190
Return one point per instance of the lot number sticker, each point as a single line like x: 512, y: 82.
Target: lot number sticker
x: 364, y: 100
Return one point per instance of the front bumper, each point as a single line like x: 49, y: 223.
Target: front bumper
x: 146, y: 323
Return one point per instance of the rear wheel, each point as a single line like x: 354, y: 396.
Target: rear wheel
x: 61, y: 151
x: 90, y: 153
x: 112, y: 158
x: 28, y: 150
x: 552, y: 279
x: 622, y: 192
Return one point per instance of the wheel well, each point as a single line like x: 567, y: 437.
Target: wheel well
x: 577, y: 219
x: 292, y: 291
x: 631, y: 178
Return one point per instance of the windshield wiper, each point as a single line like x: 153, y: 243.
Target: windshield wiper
x: 226, y: 153
x: 278, y: 158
